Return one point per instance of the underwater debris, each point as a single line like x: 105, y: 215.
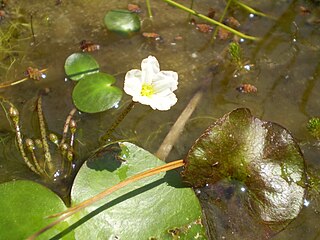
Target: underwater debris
x: 203, y: 27
x: 134, y: 8
x: 246, y: 88
x: 35, y: 73
x: 88, y: 46
x: 223, y: 34
x: 152, y: 35
x: 232, y: 22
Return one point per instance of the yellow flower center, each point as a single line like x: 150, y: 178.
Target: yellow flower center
x: 147, y: 90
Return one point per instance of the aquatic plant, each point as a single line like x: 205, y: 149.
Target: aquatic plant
x: 235, y: 53
x: 150, y: 86
x: 313, y: 127
x: 12, y: 35
x: 36, y: 153
x: 239, y: 155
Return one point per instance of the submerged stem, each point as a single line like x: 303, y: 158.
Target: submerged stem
x: 43, y: 133
x: 199, y: 15
x: 64, y: 215
x: 115, y: 124
x: 191, y: 7
x: 149, y: 9
x: 251, y: 10
x: 220, y: 20
x: 66, y: 126
x: 14, y: 114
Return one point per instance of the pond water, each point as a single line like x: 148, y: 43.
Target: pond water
x: 284, y: 66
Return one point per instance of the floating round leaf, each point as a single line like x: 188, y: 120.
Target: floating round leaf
x: 78, y: 65
x: 157, y: 207
x: 24, y: 206
x: 95, y: 93
x: 122, y: 21
x: 262, y: 165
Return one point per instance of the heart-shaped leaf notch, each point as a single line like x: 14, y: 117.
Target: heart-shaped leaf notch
x: 95, y: 93
x: 250, y: 175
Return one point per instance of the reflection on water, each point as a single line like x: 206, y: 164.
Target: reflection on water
x: 284, y: 67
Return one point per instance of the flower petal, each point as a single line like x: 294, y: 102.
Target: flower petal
x: 163, y: 103
x: 150, y: 68
x: 133, y: 82
x: 165, y: 80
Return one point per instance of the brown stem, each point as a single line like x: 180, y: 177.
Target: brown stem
x: 115, y: 124
x: 43, y: 133
x: 90, y: 201
x: 66, y: 126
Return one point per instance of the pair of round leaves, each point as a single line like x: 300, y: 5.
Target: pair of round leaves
x: 94, y: 91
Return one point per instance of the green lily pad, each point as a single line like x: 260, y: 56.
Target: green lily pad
x: 78, y: 65
x: 158, y: 207
x: 122, y: 21
x: 95, y: 93
x: 24, y: 206
x: 249, y: 173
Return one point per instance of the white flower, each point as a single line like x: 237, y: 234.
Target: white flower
x: 150, y: 86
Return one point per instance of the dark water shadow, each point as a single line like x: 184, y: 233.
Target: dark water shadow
x: 106, y: 158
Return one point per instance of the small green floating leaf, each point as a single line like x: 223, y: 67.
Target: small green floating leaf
x: 95, y: 93
x: 24, y: 206
x: 122, y: 21
x: 158, y: 207
x: 78, y: 65
x: 249, y: 173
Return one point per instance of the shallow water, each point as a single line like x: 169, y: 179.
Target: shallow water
x: 285, y: 70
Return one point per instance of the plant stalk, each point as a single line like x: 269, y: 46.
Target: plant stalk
x: 251, y: 10
x: 43, y: 133
x: 14, y: 114
x: 66, y: 126
x: 149, y: 9
x: 115, y: 124
x: 220, y: 20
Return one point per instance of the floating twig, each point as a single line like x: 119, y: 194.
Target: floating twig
x: 4, y: 85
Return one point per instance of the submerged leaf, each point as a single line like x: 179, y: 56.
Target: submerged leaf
x: 95, y: 93
x: 255, y: 166
x: 78, y: 65
x: 122, y: 21
x: 158, y: 207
